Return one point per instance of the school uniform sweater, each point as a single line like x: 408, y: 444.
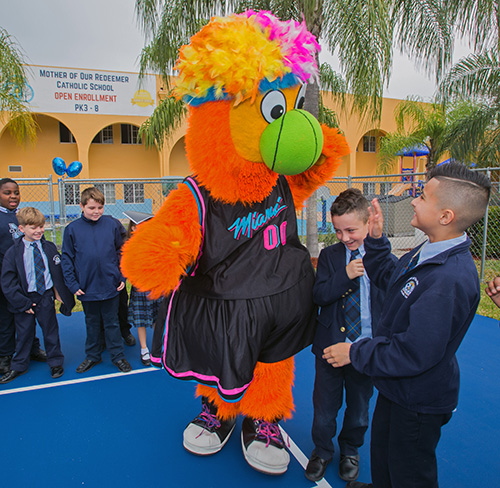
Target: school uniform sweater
x: 9, y: 231
x: 426, y: 314
x: 91, y: 257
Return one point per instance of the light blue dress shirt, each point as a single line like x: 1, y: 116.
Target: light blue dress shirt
x: 431, y: 249
x: 365, y: 300
x: 29, y: 266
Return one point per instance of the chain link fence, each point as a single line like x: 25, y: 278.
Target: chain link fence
x: 59, y: 201
x: 395, y: 193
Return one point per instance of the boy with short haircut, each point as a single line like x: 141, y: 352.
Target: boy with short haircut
x: 349, y: 305
x: 10, y: 197
x: 31, y: 279
x: 432, y: 296
x: 91, y: 267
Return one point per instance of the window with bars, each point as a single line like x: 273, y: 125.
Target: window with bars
x: 104, y: 136
x: 133, y: 192
x: 130, y: 134
x: 369, y: 144
x: 65, y: 135
x: 108, y: 190
x: 71, y: 194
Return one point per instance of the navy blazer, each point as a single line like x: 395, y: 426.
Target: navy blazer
x: 15, y: 284
x: 331, y: 286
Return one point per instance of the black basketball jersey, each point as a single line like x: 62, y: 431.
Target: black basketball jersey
x: 248, y: 251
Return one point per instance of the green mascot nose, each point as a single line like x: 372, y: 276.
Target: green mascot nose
x: 292, y: 144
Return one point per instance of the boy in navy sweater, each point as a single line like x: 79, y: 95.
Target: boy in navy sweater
x: 31, y: 279
x: 432, y: 296
x: 10, y: 197
x: 341, y: 278
x: 91, y: 267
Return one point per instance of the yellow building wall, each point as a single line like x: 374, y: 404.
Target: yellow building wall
x: 136, y: 161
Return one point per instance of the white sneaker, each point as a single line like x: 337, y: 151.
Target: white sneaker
x: 263, y: 446
x: 207, y: 434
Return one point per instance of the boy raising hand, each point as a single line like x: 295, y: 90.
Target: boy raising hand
x: 432, y: 294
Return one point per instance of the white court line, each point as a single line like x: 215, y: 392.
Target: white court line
x: 79, y: 380
x: 292, y: 447
x: 301, y: 457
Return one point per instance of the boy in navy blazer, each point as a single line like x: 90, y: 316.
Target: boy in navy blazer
x: 341, y: 282
x: 31, y: 279
x: 431, y: 299
x: 10, y: 198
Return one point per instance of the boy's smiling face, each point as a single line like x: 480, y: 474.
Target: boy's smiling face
x: 92, y: 210
x: 10, y: 196
x: 427, y: 208
x: 32, y: 232
x: 350, y: 229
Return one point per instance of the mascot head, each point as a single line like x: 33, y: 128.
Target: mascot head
x: 244, y: 79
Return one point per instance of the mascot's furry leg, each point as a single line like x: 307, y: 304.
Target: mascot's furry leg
x: 267, y: 400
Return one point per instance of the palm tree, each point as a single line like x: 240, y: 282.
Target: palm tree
x: 435, y: 126
x: 418, y: 124
x: 474, y: 82
x: 13, y: 109
x: 360, y: 33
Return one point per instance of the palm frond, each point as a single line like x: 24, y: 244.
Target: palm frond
x: 13, y: 109
x: 423, y: 31
x: 166, y: 118
x: 391, y: 145
x: 469, y: 124
x: 360, y: 33
x: 489, y: 153
x: 327, y: 116
x: 477, y: 75
x: 477, y: 21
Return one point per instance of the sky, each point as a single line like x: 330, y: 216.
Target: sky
x: 104, y: 34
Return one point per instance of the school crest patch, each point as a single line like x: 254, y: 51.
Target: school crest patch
x: 56, y: 259
x: 410, y: 285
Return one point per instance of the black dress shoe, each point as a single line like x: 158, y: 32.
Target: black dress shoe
x: 129, y: 340
x: 5, y: 364
x: 123, y: 365
x: 316, y: 467
x: 39, y: 355
x: 349, y: 467
x: 358, y: 484
x: 56, y: 371
x: 11, y: 375
x: 86, y: 365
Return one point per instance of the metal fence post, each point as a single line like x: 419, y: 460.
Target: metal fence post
x: 62, y: 210
x: 485, y: 235
x: 52, y: 210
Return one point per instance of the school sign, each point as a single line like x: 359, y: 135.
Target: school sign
x: 85, y: 91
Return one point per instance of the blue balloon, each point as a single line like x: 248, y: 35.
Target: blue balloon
x: 74, y: 169
x: 59, y: 166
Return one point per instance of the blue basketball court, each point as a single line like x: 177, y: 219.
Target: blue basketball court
x: 109, y: 429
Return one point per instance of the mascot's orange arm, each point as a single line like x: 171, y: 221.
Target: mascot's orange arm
x: 161, y: 249
x: 305, y: 184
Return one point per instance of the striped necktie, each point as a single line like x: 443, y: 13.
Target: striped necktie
x: 352, y: 307
x: 39, y: 269
x: 411, y: 264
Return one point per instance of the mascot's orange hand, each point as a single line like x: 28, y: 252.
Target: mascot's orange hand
x: 160, y: 250
x: 304, y: 184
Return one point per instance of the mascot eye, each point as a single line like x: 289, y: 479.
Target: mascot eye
x: 301, y: 97
x: 273, y: 105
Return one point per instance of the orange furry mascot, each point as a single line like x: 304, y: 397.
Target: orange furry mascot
x: 224, y: 248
